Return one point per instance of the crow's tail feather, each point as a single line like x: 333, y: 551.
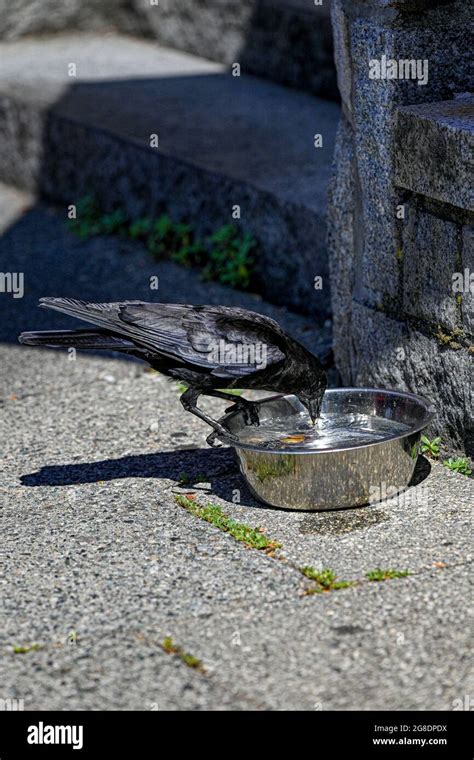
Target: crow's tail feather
x: 100, y: 314
x: 76, y: 339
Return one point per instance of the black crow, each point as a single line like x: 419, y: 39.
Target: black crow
x: 209, y: 348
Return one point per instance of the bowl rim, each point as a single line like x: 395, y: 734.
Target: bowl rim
x: 427, y: 406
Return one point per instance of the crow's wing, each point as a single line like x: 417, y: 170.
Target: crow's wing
x: 228, y: 342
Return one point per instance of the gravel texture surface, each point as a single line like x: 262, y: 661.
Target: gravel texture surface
x: 93, y: 542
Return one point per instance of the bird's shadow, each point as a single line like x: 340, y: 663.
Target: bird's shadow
x: 187, y: 467
x: 172, y: 465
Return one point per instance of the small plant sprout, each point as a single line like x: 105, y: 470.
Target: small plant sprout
x: 140, y: 228
x: 384, y: 575
x: 325, y: 580
x: 85, y: 223
x: 190, y: 660
x: 25, y: 648
x: 230, y: 257
x: 459, y: 464
x: 114, y: 223
x: 431, y: 448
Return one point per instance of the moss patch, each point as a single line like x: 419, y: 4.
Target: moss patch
x: 190, y: 660
x: 384, y: 575
x: 25, y: 648
x: 254, y: 538
x: 325, y: 580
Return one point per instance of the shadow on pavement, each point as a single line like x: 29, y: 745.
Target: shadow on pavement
x: 198, y: 465
x: 422, y: 470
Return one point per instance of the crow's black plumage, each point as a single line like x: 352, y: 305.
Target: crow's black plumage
x: 209, y: 348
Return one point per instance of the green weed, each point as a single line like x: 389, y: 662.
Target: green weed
x: 226, y: 256
x: 430, y: 447
x: 190, y: 660
x: 25, y: 648
x: 459, y: 464
x: 325, y: 580
x: 384, y: 575
x: 254, y: 538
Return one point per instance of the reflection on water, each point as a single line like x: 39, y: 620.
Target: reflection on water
x: 331, y: 431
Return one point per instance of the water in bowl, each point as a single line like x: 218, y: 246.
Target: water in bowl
x: 331, y: 431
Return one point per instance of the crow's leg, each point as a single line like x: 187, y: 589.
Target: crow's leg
x: 249, y: 408
x: 188, y: 400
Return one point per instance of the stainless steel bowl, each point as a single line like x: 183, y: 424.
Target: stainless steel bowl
x: 333, y: 478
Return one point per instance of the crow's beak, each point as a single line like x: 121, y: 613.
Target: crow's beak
x: 314, y: 409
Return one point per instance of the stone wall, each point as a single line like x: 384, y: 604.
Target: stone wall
x: 401, y: 206
x: 24, y: 17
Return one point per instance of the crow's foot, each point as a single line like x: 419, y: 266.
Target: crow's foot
x: 211, y: 439
x: 188, y: 400
x: 249, y: 410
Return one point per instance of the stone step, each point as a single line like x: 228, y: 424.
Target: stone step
x: 289, y: 41
x: 36, y: 241
x: 223, y: 141
x: 435, y: 145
